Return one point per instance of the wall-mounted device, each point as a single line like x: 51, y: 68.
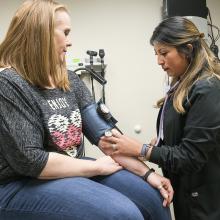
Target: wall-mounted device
x: 93, y: 66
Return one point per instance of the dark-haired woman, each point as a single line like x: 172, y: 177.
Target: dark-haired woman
x: 187, y: 146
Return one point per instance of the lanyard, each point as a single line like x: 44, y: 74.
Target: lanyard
x: 161, y: 131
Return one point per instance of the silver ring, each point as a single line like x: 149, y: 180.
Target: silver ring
x: 114, y: 147
x: 160, y: 187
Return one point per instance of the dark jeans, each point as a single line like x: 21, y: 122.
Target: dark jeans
x: 120, y: 196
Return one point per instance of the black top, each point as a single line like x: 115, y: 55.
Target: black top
x: 190, y: 152
x: 34, y: 121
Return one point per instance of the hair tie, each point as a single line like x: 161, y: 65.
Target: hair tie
x: 201, y: 35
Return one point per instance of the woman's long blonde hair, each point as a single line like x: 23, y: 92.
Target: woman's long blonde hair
x: 178, y: 32
x: 29, y: 45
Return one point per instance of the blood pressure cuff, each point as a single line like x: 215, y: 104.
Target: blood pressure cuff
x: 93, y: 124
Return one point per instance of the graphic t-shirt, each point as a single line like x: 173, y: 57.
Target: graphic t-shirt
x: 35, y: 121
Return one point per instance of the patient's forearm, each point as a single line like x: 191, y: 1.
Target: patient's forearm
x: 60, y: 166
x: 132, y: 164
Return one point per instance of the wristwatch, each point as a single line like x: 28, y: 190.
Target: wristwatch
x: 143, y: 151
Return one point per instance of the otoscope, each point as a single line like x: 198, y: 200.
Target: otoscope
x: 101, y: 55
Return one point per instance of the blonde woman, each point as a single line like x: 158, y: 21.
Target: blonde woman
x: 43, y: 174
x: 187, y: 146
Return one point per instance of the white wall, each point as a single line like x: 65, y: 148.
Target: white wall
x: 123, y: 28
x: 135, y: 81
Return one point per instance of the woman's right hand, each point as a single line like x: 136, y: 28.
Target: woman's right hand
x: 106, y: 165
x: 119, y: 144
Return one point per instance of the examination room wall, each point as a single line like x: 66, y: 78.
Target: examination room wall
x: 123, y: 29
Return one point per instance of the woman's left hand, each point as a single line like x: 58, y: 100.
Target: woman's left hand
x: 120, y: 144
x: 163, y: 185
x: 139, y: 168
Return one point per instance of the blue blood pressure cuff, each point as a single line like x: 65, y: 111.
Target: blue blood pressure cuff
x: 94, y: 123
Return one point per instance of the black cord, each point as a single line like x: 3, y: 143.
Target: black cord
x: 103, y: 94
x: 218, y: 35
x: 214, y: 39
x: 209, y: 15
x: 97, y: 77
x: 93, y: 74
x: 93, y: 89
x: 213, y: 46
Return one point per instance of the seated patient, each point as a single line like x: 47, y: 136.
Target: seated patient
x: 43, y: 174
